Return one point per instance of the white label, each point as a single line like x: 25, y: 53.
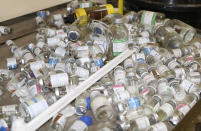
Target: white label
x: 52, y: 41
x: 60, y: 52
x: 186, y: 85
x: 163, y: 88
x: 168, y: 109
x: 148, y: 78
x: 172, y: 64
x: 120, y: 77
x: 60, y: 67
x: 140, y: 57
x: 78, y: 126
x: 179, y: 72
x: 142, y: 123
x: 162, y: 69
x: 194, y: 74
x: 155, y: 54
x: 159, y: 127
x: 50, y: 32
x: 2, y: 29
x: 99, y: 101
x: 9, y: 108
x: 12, y: 62
x: 177, y: 52
x: 34, y: 90
x: 128, y: 63
x: 119, y: 46
x: 143, y: 40
x: 184, y: 109
x: 120, y: 92
x: 36, y: 105
x: 37, y: 65
x: 81, y: 72
x: 148, y: 18
x: 58, y: 80
x: 82, y: 48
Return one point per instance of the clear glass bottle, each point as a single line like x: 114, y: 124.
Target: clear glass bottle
x: 164, y: 89
x: 31, y: 108
x: 151, y: 18
x: 5, y: 30
x: 81, y: 103
x: 33, y: 87
x: 81, y: 124
x: 17, y: 52
x: 119, y: 76
x: 78, y: 29
x: 186, y: 31
x: 101, y: 107
x: 17, y: 81
x: 154, y: 103
x: 120, y: 36
x: 166, y: 110
x: 168, y: 37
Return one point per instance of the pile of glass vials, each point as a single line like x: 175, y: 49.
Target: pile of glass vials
x: 151, y: 90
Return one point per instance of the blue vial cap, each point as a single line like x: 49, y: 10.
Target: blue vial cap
x: 10, y: 67
x: 87, y: 120
x: 88, y: 103
x: 3, y: 129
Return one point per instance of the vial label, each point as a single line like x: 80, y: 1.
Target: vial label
x: 134, y: 103
x: 159, y: 127
x: 36, y: 105
x: 179, y: 72
x: 147, y: 50
x: 148, y: 78
x: 52, y: 42
x: 143, y: 40
x: 60, y: 52
x: 53, y: 61
x: 99, y: 101
x: 9, y: 108
x: 142, y: 123
x: 11, y: 63
x: 128, y: 63
x: 98, y: 62
x: 119, y: 46
x: 162, y: 69
x: 186, y: 85
x: 119, y: 77
x: 172, y: 64
x: 177, y: 52
x: 2, y: 29
x: 78, y: 126
x: 81, y: 72
x: 60, y: 67
x: 58, y: 80
x: 36, y: 65
x: 120, y: 92
x: 86, y: 4
x: 81, y: 48
x: 140, y: 57
x: 35, y: 89
x: 183, y: 108
x: 155, y: 54
x: 167, y: 108
x: 148, y: 18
